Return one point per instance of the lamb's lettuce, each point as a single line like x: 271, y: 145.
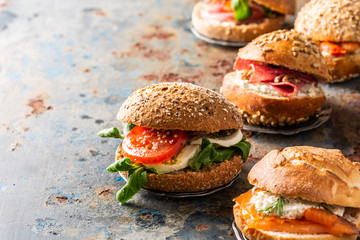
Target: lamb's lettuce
x: 137, y: 178
x: 115, y: 133
x: 214, y: 153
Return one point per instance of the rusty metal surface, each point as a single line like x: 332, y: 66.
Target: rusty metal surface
x: 66, y: 67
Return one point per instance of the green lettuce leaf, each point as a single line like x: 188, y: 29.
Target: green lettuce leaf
x: 242, y: 9
x: 110, y: 133
x: 135, y: 182
x: 121, y: 165
x: 268, y: 12
x: 127, y: 127
x: 214, y: 153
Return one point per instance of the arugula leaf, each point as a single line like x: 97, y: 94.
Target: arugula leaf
x: 242, y: 9
x: 154, y: 170
x: 275, y: 209
x: 127, y: 127
x: 121, y: 165
x: 136, y: 181
x: 110, y: 132
x: 212, y: 152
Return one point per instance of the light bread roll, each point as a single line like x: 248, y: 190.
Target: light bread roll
x: 315, y: 174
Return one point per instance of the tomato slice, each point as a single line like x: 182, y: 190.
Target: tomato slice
x: 332, y: 49
x: 151, y: 146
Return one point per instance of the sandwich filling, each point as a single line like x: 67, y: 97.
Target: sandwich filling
x: 235, y: 11
x: 284, y: 81
x: 263, y: 210
x: 165, y: 151
x: 338, y: 49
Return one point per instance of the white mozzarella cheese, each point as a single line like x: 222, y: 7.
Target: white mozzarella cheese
x: 227, y: 141
x: 181, y: 160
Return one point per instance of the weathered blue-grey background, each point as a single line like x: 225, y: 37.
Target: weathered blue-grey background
x: 65, y: 68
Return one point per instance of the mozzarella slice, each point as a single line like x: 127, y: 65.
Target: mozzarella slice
x: 227, y: 141
x: 181, y: 160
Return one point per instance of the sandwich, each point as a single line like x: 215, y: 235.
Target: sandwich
x: 178, y: 137
x: 239, y: 20
x: 275, y: 79
x: 301, y: 193
x: 335, y: 25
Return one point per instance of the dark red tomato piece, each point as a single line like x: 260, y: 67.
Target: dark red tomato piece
x: 332, y: 49
x: 151, y: 146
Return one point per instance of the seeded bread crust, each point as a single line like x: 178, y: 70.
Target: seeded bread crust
x: 232, y: 32
x: 344, y: 67
x: 281, y: 6
x: 316, y: 174
x: 180, y: 106
x: 289, y: 49
x: 209, y: 177
x: 329, y: 20
x: 259, y: 109
x: 255, y: 234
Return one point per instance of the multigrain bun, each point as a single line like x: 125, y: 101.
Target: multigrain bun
x: 261, y: 105
x: 330, y: 20
x: 180, y: 106
x: 333, y: 21
x: 289, y: 49
x: 344, y: 67
x: 230, y: 31
x: 315, y: 174
x: 208, y: 177
x: 281, y: 6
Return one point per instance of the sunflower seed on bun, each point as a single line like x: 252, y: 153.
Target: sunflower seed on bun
x: 301, y: 193
x: 275, y: 79
x: 335, y: 25
x: 178, y: 137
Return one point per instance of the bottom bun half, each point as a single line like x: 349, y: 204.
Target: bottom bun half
x: 256, y: 234
x: 187, y: 180
x: 268, y: 109
x: 344, y: 67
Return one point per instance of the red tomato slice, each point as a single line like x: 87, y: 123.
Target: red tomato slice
x: 332, y: 49
x: 151, y: 146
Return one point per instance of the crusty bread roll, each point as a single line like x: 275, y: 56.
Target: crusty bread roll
x: 316, y: 174
x: 333, y: 21
x: 187, y: 180
x: 289, y: 49
x: 230, y: 31
x: 259, y: 104
x: 330, y: 20
x: 180, y: 106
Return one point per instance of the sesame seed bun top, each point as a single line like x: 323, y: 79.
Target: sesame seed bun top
x: 289, y: 49
x: 330, y: 20
x: 281, y: 6
x: 180, y: 106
